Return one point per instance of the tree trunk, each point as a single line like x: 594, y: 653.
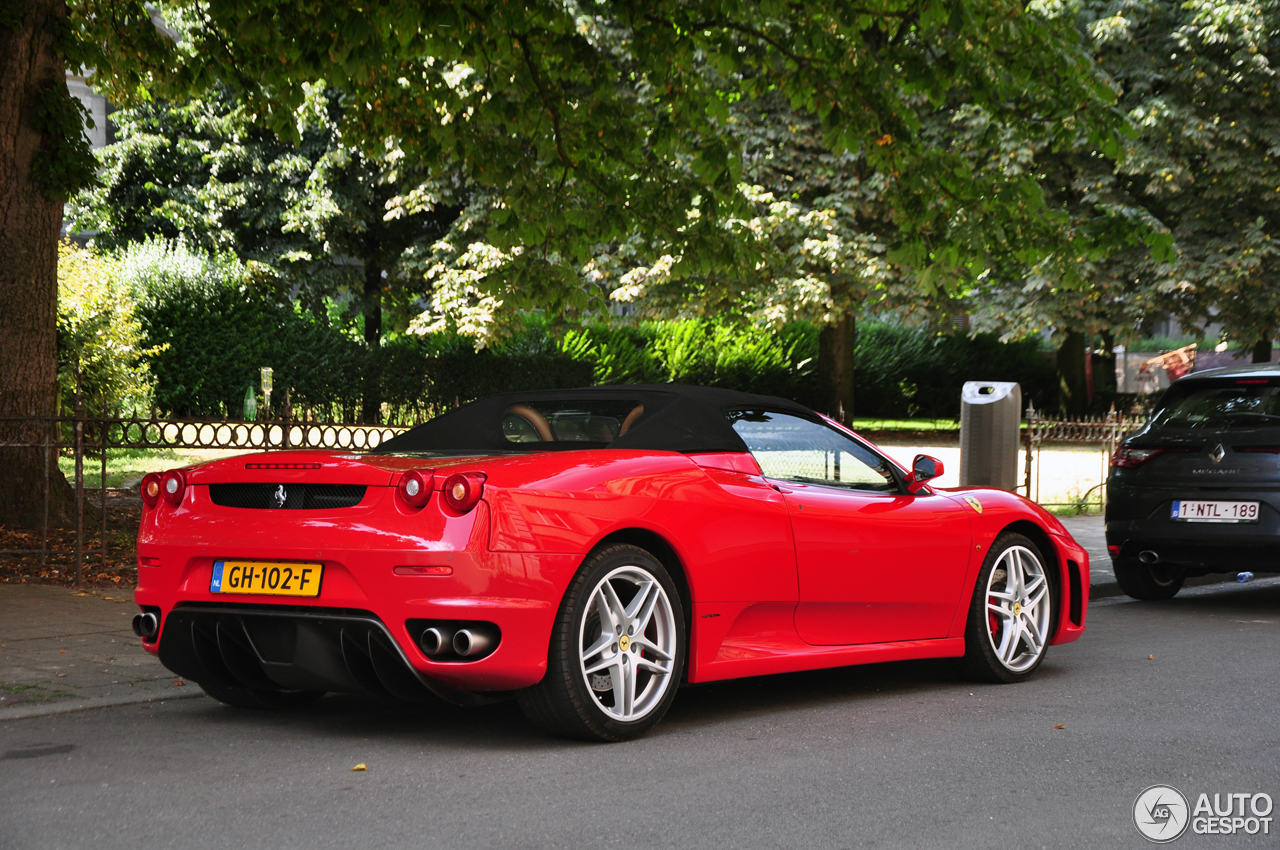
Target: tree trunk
x: 30, y: 223
x: 1104, y: 371
x: 836, y: 368
x: 371, y: 408
x: 1072, y: 399
x: 1262, y: 351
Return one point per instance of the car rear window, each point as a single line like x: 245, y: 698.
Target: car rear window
x: 1245, y: 402
x: 593, y: 421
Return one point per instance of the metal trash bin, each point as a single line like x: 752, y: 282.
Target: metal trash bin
x: 990, y: 426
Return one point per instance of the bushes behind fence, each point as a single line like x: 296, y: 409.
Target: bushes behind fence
x: 217, y: 326
x: 908, y: 372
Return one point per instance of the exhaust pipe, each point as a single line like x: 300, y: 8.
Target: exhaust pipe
x: 146, y: 625
x: 434, y: 641
x: 474, y: 641
x: 1149, y: 556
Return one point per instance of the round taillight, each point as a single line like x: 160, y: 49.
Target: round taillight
x: 463, y: 489
x: 150, y: 489
x: 415, y: 487
x: 172, y: 486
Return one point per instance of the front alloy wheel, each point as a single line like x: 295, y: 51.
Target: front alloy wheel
x: 617, y: 650
x: 1011, y: 614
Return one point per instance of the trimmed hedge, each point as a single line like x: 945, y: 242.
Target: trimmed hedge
x: 701, y: 353
x: 907, y: 372
x: 218, y: 336
x: 216, y: 327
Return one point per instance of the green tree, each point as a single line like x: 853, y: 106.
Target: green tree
x: 323, y: 216
x: 590, y: 123
x: 1198, y: 82
x: 100, y: 340
x: 1205, y: 99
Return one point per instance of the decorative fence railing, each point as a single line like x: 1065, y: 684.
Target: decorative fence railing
x: 1106, y: 431
x: 91, y: 438
x: 134, y: 433
x: 86, y: 438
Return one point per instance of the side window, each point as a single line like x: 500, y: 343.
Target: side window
x: 792, y: 448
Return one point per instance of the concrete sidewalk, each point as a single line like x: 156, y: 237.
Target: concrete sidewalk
x: 64, y: 651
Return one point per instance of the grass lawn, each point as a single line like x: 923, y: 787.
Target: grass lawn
x: 906, y: 425
x: 128, y: 465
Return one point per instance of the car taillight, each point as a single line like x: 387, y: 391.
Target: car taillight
x: 415, y: 487
x: 1127, y: 458
x: 463, y: 489
x: 150, y: 488
x: 172, y: 486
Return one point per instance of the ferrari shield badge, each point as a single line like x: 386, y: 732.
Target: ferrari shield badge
x: 974, y: 503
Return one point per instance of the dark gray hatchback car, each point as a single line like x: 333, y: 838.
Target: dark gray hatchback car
x: 1197, y: 490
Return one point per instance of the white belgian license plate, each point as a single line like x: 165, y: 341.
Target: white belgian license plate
x: 1215, y: 511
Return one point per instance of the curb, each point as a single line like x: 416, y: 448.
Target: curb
x: 1107, y: 589
x: 20, y: 712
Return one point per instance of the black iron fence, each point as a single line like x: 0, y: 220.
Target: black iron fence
x: 90, y: 439
x: 1104, y: 431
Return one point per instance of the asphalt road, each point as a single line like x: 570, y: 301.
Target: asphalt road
x: 894, y: 755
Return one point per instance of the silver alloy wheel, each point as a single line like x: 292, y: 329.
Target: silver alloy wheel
x: 628, y: 643
x: 1018, y: 609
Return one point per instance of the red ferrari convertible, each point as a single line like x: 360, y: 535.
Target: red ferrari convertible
x: 587, y: 551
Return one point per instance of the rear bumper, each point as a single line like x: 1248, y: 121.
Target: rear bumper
x: 366, y: 614
x: 1138, y: 520
x: 1200, y: 556
x: 275, y: 647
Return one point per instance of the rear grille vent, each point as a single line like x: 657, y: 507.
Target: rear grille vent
x: 275, y: 639
x: 302, y: 497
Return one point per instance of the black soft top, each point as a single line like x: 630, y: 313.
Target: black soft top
x: 676, y: 418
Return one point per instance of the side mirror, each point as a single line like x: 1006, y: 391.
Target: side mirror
x: 923, y: 470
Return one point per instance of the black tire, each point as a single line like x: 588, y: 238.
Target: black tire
x: 261, y: 699
x: 563, y: 703
x: 984, y: 629
x: 1148, y: 582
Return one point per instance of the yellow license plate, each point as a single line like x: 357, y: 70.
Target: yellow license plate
x: 266, y: 577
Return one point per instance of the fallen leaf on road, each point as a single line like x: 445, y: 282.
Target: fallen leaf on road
x: 360, y: 767
x: 1151, y: 658
x: 62, y: 652
x: 1060, y: 726
x: 179, y: 682
x: 62, y: 675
